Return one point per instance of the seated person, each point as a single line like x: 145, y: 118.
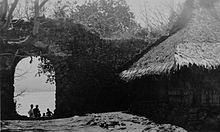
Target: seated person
x: 44, y: 115
x: 31, y: 111
x: 36, y: 112
x: 49, y: 113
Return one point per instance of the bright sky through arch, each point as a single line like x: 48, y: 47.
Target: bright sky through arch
x: 25, y: 77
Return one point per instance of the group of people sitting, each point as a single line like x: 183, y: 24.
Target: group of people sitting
x: 35, y: 112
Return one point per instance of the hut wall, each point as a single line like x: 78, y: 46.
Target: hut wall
x: 187, y: 88
x: 148, y: 95
x: 210, y: 98
x: 202, y: 86
x: 195, y: 87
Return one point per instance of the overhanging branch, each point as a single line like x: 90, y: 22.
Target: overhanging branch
x: 43, y: 3
x: 19, y: 42
x: 30, y: 38
x: 4, y: 7
x: 13, y: 6
x: 6, y: 54
x: 37, y: 9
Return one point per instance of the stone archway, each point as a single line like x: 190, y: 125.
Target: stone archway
x: 34, y: 85
x: 7, y: 71
x: 85, y: 65
x: 11, y: 54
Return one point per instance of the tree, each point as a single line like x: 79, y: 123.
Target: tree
x: 159, y: 20
x: 14, y: 44
x: 25, y: 10
x: 6, y: 17
x: 46, y: 67
x: 108, y: 17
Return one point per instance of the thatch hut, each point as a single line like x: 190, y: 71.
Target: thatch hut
x: 183, y: 69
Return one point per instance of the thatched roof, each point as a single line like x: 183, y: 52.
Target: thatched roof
x: 197, y: 43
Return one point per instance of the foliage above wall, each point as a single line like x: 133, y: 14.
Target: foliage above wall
x: 110, y: 18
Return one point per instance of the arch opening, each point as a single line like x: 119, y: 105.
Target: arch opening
x: 34, y: 83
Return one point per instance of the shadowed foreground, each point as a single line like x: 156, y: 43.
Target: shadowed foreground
x: 115, y: 121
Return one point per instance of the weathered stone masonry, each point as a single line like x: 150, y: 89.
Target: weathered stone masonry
x: 86, y: 79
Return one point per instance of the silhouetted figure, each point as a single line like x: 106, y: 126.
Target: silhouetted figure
x: 36, y: 112
x: 31, y: 111
x: 44, y: 115
x: 49, y: 113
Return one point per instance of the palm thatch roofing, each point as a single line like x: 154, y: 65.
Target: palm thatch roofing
x: 198, y: 43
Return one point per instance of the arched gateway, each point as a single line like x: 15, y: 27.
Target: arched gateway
x: 34, y: 85
x: 57, y: 49
x: 85, y: 66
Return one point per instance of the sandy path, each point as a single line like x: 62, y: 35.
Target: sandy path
x: 106, y: 122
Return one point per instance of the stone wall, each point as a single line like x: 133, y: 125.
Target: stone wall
x: 7, y: 69
x: 86, y: 84
x: 86, y: 70
x: 88, y: 81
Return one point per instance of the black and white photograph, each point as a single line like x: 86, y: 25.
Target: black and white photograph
x: 110, y: 65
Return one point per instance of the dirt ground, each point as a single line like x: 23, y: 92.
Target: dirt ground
x: 105, y: 122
